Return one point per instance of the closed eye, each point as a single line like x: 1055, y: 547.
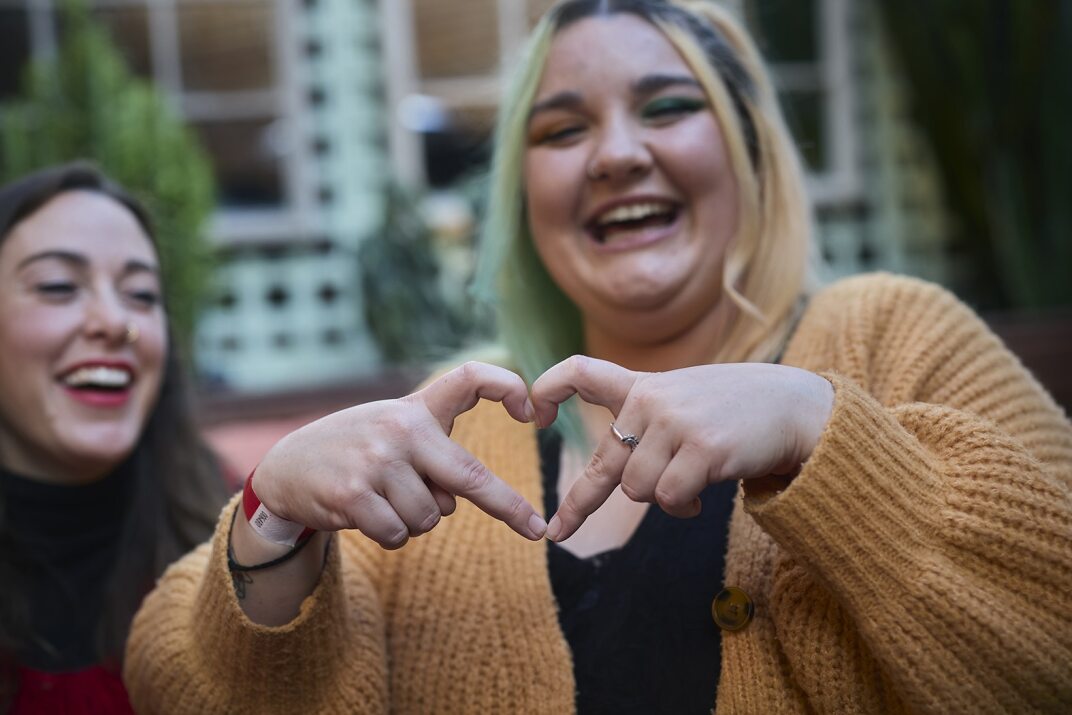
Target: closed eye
x: 147, y: 298
x: 56, y: 289
x: 669, y: 108
x: 561, y: 134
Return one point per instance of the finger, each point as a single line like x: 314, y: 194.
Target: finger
x: 411, y: 500
x: 644, y: 467
x: 597, y: 381
x: 451, y: 467
x: 461, y: 388
x: 446, y: 501
x: 679, y: 487
x: 373, y: 516
x: 601, y: 475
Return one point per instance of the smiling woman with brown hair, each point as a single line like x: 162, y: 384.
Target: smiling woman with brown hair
x: 103, y: 478
x: 771, y: 498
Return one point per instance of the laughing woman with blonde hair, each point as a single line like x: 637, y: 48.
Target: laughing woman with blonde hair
x: 771, y: 498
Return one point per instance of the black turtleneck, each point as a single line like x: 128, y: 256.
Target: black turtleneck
x: 64, y: 540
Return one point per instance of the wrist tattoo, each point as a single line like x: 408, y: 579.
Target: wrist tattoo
x: 241, y: 579
x: 241, y: 575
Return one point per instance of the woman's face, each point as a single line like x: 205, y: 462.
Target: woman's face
x: 629, y: 191
x: 82, y: 338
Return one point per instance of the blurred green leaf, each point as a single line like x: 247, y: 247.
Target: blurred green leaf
x: 85, y: 103
x: 992, y: 91
x: 405, y: 309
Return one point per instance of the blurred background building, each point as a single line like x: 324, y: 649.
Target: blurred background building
x: 346, y: 139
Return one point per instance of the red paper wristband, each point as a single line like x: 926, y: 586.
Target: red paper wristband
x: 267, y: 525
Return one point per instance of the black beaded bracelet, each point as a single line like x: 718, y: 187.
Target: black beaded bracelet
x: 233, y: 565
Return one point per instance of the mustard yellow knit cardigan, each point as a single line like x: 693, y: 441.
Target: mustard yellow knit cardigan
x: 921, y: 561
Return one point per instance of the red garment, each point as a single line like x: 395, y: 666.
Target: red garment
x: 92, y: 691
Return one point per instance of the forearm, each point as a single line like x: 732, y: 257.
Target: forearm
x: 273, y: 596
x: 192, y: 648
x: 892, y: 518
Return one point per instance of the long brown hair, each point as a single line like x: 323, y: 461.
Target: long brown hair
x: 178, y: 488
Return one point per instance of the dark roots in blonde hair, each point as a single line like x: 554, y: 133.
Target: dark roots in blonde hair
x: 718, y: 51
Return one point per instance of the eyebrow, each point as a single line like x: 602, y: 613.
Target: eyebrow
x: 652, y: 83
x: 64, y: 256
x: 131, y: 267
x: 80, y: 261
x: 562, y: 100
x: 649, y: 84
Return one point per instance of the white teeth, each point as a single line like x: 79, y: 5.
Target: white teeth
x: 99, y: 375
x: 633, y: 212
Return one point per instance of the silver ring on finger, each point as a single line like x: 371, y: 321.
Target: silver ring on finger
x: 629, y: 440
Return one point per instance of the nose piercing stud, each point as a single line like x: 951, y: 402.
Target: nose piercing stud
x: 132, y: 333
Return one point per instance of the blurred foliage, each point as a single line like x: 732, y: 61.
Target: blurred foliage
x: 85, y: 103
x: 992, y: 89
x: 405, y: 307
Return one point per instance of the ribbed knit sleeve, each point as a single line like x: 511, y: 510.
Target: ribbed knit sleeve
x: 925, y: 550
x: 193, y: 650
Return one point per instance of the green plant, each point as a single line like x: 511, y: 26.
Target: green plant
x: 991, y: 90
x: 85, y: 103
x: 405, y: 310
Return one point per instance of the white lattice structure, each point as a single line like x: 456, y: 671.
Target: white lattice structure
x: 316, y: 103
x: 895, y: 219
x: 288, y: 308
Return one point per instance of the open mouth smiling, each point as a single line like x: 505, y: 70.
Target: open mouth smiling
x: 631, y: 218
x: 98, y: 378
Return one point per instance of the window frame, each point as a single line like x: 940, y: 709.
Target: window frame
x: 293, y: 218
x: 830, y: 75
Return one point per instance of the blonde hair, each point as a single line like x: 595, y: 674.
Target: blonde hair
x: 768, y: 266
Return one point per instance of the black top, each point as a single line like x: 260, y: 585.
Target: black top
x: 65, y: 540
x: 638, y: 618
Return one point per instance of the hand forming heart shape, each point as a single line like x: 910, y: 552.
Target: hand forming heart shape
x: 692, y: 427
x: 391, y: 470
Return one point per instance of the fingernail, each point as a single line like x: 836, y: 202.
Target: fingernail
x: 537, y: 526
x: 530, y: 411
x: 554, y: 529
